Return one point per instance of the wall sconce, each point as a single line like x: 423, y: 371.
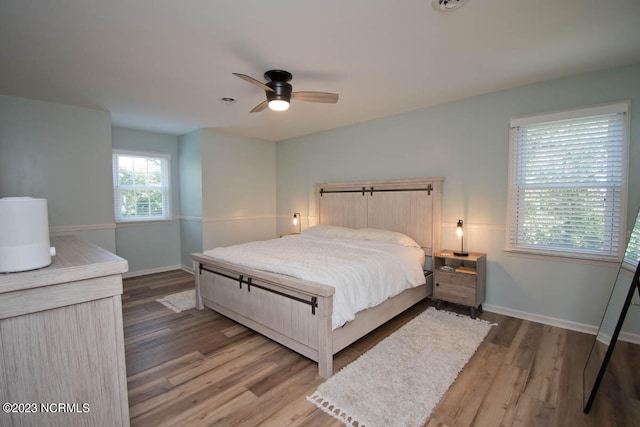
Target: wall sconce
x: 460, y: 236
x: 297, y: 221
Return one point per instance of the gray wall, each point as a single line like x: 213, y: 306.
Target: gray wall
x: 63, y: 154
x: 154, y: 245
x: 467, y: 143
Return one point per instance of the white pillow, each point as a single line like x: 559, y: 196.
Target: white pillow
x: 330, y: 231
x: 383, y: 236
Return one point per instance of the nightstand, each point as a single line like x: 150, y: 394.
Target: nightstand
x: 459, y: 279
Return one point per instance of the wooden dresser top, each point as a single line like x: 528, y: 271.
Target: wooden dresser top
x: 75, y: 260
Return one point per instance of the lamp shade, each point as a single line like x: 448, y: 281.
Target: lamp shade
x: 296, y: 221
x: 460, y: 234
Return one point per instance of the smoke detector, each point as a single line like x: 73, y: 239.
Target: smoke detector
x: 448, y: 5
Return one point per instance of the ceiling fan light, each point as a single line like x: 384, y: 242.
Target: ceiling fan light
x: 279, y: 105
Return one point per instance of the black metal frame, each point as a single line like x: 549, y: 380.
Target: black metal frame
x: 313, y: 302
x: 635, y: 284
x: 372, y: 190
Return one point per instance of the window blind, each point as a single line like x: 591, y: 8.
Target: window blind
x: 141, y: 185
x: 567, y: 185
x: 632, y: 254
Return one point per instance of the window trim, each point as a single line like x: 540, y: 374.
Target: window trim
x: 603, y: 109
x: 166, y: 159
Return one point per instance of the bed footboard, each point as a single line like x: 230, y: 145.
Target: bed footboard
x: 290, y: 311
x: 293, y: 312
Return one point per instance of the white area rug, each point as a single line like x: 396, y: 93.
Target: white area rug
x: 181, y: 301
x: 400, y: 380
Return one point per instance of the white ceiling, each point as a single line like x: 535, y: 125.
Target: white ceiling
x: 163, y: 65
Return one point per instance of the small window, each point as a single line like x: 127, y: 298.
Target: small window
x: 567, y: 183
x: 141, y: 186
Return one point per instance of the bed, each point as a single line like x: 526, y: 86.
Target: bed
x: 298, y: 312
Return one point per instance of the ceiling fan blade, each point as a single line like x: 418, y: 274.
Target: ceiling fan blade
x: 254, y: 82
x: 326, y: 97
x: 260, y: 107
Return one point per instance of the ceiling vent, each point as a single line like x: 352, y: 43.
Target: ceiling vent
x: 447, y: 5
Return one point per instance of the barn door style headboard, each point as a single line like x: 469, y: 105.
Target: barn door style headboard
x: 410, y: 206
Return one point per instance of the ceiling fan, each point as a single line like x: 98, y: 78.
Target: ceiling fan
x: 280, y: 92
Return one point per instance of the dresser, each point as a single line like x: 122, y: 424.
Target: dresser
x: 61, y: 340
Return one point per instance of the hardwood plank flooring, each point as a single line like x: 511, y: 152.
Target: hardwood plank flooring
x: 199, y: 368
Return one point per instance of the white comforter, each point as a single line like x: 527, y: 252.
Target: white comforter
x: 364, y: 273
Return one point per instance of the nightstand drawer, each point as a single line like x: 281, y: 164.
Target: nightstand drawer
x: 455, y: 278
x: 465, y: 295
x: 458, y: 288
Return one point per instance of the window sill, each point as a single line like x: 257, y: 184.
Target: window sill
x: 143, y: 222
x: 557, y: 257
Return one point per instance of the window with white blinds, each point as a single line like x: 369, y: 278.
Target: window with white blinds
x: 567, y: 183
x: 141, y: 186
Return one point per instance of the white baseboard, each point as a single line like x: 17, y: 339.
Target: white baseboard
x: 629, y: 337
x: 188, y: 269
x: 152, y: 271
x: 552, y: 321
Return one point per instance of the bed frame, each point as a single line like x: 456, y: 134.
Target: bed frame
x: 297, y: 313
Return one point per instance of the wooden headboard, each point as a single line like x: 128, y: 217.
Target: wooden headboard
x: 410, y: 206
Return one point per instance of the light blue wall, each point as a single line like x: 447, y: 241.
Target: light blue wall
x: 190, y: 196
x: 467, y: 143
x: 151, y: 246
x: 238, y: 189
x: 227, y: 184
x: 227, y: 192
x: 63, y: 154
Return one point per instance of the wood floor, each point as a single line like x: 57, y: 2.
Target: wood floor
x: 199, y: 368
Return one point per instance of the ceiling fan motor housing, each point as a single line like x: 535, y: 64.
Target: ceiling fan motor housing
x: 281, y: 89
